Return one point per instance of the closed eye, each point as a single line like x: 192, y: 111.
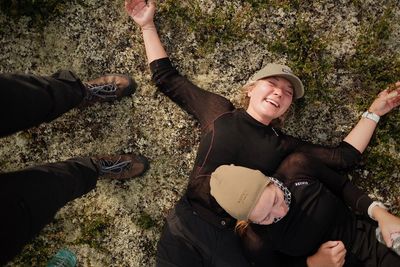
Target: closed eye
x: 288, y: 92
x: 267, y: 218
x: 275, y: 200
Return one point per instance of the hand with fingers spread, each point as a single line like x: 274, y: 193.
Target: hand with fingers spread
x: 361, y: 134
x: 386, y: 100
x: 141, y: 13
x: 329, y: 254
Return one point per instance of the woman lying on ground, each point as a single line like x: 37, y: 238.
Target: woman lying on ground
x: 198, y: 231
x: 295, y: 214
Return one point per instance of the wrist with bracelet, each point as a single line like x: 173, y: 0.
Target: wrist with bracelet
x: 374, y: 204
x: 371, y: 115
x: 149, y: 26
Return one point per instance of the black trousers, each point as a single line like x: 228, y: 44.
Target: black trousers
x: 188, y: 240
x: 29, y: 198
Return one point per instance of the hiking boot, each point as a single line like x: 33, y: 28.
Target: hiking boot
x: 108, y: 88
x: 121, y: 166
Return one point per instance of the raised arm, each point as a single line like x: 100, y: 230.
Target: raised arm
x: 203, y: 105
x: 348, y: 152
x: 361, y: 134
x: 143, y: 15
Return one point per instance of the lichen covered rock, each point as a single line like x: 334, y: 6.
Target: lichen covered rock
x: 345, y: 52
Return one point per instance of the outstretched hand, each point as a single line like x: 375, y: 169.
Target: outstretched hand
x: 386, y: 100
x: 141, y: 13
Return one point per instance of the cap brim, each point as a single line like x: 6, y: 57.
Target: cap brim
x: 297, y: 84
x: 294, y: 80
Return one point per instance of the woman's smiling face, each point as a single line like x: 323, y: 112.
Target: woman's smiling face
x: 270, y: 98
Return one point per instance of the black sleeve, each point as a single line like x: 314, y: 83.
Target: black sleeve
x: 203, y: 105
x: 259, y: 254
x: 352, y: 195
x: 340, y: 185
x: 275, y: 259
x: 340, y: 157
x: 356, y: 198
x: 301, y: 165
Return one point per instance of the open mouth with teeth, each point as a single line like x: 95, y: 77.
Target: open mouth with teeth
x: 272, y: 102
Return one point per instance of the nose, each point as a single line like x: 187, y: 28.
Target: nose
x: 278, y: 91
x: 281, y: 210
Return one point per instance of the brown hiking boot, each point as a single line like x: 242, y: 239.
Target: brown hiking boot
x: 108, y: 88
x: 121, y: 166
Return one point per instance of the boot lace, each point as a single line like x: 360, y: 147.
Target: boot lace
x: 105, y: 91
x: 113, y: 167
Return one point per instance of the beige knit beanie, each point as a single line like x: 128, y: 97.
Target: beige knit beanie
x: 237, y: 189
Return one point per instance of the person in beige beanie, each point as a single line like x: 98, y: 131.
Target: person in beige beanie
x: 270, y: 223
x: 249, y: 195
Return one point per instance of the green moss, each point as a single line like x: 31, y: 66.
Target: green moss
x: 257, y: 4
x: 145, y: 221
x: 373, y: 64
x: 93, y: 231
x: 380, y: 164
x: 222, y: 25
x: 287, y: 5
x: 381, y: 167
x: 38, y: 10
x: 307, y: 56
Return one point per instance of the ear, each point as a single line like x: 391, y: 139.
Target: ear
x: 250, y: 91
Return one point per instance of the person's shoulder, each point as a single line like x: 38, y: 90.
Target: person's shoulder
x: 227, y: 115
x: 303, y: 185
x: 227, y: 118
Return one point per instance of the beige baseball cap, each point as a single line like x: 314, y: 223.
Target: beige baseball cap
x: 237, y: 189
x: 284, y: 71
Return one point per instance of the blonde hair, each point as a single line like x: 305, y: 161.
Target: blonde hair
x: 241, y: 227
x: 245, y: 100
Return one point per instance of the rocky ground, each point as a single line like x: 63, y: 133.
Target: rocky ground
x: 345, y: 51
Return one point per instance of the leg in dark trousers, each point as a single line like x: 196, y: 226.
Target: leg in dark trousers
x: 28, y: 100
x: 30, y: 198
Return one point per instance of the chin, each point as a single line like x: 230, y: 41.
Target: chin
x: 270, y: 116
